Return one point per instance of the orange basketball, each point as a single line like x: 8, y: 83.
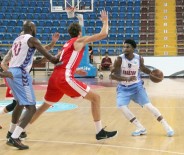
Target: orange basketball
x: 156, y: 76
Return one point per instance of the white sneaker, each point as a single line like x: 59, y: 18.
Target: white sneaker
x: 139, y: 132
x: 170, y: 133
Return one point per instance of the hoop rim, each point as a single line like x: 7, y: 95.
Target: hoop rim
x: 70, y: 9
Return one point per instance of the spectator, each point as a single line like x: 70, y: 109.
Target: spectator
x: 105, y: 65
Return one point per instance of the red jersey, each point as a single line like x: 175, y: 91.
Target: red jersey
x: 70, y: 58
x: 62, y: 80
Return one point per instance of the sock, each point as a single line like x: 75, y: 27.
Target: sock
x: 130, y: 116
x: 165, y: 125
x: 2, y: 111
x: 12, y: 127
x: 18, y: 130
x: 98, y: 126
x: 138, y: 124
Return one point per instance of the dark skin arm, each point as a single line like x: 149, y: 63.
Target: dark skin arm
x: 116, y: 72
x: 143, y: 68
x: 33, y: 42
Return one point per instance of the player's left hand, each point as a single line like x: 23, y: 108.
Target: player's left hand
x: 81, y: 72
x: 6, y: 74
x: 55, y: 37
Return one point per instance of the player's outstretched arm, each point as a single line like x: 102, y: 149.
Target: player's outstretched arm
x: 81, y: 42
x: 143, y: 68
x: 116, y: 72
x: 33, y: 42
x: 6, y: 60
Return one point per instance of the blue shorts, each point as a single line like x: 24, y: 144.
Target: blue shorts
x: 135, y: 92
x: 21, y: 86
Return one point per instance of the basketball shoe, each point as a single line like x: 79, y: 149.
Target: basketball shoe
x: 139, y: 132
x: 170, y: 133
x: 16, y: 143
x: 105, y: 134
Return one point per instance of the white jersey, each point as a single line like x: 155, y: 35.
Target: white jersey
x: 22, y: 54
x: 130, y: 68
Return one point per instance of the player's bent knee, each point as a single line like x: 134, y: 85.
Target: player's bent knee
x: 11, y: 106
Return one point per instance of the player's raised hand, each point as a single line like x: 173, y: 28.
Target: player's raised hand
x: 81, y: 19
x: 104, y: 16
x: 55, y: 37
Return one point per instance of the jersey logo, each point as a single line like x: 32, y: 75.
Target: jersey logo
x: 129, y: 65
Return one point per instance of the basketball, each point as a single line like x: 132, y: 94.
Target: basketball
x: 156, y: 76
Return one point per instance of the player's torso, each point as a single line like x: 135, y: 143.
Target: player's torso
x: 70, y: 58
x: 130, y: 68
x: 22, y: 54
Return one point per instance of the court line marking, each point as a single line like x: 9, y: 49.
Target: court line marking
x: 103, y: 145
x: 134, y: 107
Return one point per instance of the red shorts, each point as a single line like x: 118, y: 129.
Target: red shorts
x: 60, y: 84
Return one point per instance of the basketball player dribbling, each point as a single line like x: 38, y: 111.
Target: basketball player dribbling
x: 23, y: 50
x: 62, y: 80
x: 126, y: 70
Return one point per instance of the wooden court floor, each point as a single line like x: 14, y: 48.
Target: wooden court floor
x: 72, y: 132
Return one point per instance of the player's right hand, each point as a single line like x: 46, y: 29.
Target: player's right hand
x: 6, y: 74
x: 104, y: 16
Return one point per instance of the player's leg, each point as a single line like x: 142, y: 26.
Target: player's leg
x: 141, y: 97
x: 23, y: 92
x: 140, y: 130
x: 53, y: 95
x: 39, y: 111
x: 10, y: 107
x: 159, y: 117
x: 95, y: 108
x: 75, y: 88
x: 123, y: 99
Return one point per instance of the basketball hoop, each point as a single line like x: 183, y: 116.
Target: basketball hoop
x: 70, y: 12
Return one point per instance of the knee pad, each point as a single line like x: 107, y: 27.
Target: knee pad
x: 11, y: 106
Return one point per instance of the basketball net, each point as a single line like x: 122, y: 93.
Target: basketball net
x: 70, y: 12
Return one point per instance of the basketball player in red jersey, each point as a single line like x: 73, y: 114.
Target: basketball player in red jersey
x: 62, y: 80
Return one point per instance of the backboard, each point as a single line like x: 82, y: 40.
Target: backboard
x: 79, y: 5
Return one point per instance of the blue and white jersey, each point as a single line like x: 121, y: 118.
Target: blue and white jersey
x: 22, y: 54
x: 130, y: 68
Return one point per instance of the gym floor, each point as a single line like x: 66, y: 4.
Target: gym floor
x: 72, y: 132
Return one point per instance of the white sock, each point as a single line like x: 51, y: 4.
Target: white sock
x: 98, y: 126
x: 165, y: 125
x: 138, y: 124
x: 129, y: 115
x: 18, y: 130
x: 2, y: 111
x: 12, y: 127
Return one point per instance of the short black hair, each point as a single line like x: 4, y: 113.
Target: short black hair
x: 131, y: 42
x: 74, y: 29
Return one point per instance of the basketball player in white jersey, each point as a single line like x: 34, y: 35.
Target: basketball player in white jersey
x: 4, y: 66
x: 23, y: 50
x: 126, y: 70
